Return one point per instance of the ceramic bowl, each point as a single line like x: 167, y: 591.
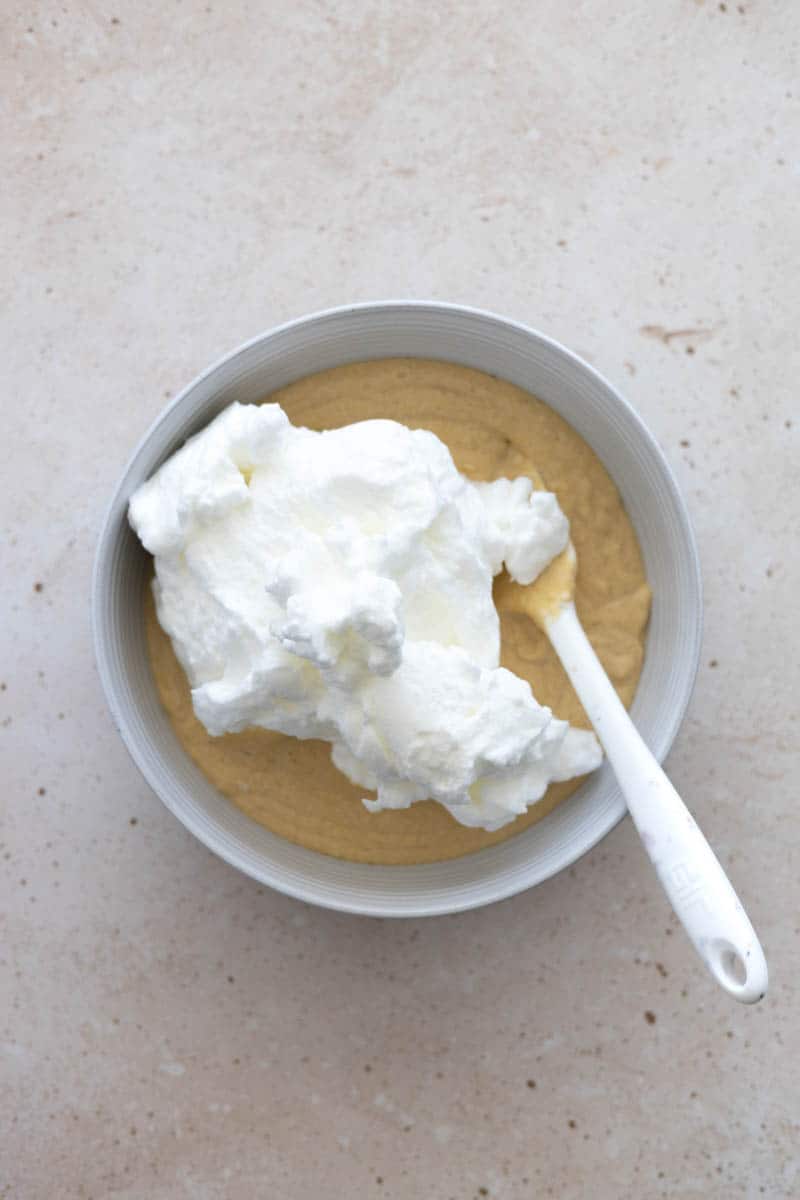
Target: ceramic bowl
x: 599, y: 414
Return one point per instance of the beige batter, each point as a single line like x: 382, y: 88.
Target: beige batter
x: 493, y: 429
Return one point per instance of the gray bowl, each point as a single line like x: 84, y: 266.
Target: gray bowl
x: 599, y: 414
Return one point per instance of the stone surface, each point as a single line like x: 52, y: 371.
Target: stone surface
x: 624, y: 177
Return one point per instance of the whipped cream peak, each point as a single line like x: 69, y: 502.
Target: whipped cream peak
x: 338, y: 585
x: 354, y: 626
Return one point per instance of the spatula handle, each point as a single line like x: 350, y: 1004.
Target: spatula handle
x: 698, y: 888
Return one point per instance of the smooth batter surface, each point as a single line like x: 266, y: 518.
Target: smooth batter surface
x: 493, y: 429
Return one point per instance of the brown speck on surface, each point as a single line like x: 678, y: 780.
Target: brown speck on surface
x: 115, y: 20
x: 38, y: 586
x: 629, y: 367
x: 41, y: 791
x: 561, y: 242
x: 231, y: 979
x: 668, y: 335
x: 572, y: 1124
x: 769, y: 572
x: 134, y: 821
x: 685, y: 442
x: 367, y: 1067
x: 723, y: 8
x: 662, y: 970
x: 379, y: 1179
x: 650, y: 1017
x: 2, y: 687
x: 531, y: 1083
x: 482, y: 1191
x: 690, y: 349
x: 712, y: 662
x: 787, y: 424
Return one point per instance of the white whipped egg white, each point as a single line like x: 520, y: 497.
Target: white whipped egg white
x: 338, y: 585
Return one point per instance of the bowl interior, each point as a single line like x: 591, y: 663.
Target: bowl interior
x: 648, y: 489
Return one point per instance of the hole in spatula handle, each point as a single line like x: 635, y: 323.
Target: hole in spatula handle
x: 730, y: 968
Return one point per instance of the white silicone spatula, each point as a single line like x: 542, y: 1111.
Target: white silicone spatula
x: 690, y: 873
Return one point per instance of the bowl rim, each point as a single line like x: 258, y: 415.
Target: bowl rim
x: 99, y: 632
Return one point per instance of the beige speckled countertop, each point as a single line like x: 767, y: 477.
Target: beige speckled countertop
x: 180, y: 177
